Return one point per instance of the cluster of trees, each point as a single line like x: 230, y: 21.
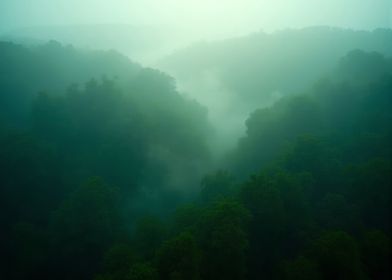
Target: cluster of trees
x: 89, y: 180
x: 50, y: 67
x: 318, y: 203
x: 130, y: 128
x: 347, y: 112
x: 254, y: 71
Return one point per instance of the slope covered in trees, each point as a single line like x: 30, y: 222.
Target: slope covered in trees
x: 145, y: 43
x: 51, y: 67
x: 255, y: 66
x: 349, y: 108
x: 129, y: 127
x: 95, y: 172
x: 234, y: 77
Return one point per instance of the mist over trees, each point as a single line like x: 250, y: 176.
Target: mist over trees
x: 109, y: 170
x: 236, y: 76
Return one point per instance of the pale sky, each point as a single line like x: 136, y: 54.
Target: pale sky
x: 224, y: 16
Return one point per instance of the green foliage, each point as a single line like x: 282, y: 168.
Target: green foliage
x: 149, y: 235
x: 316, y: 207
x: 376, y: 252
x: 179, y: 258
x: 281, y: 210
x: 222, y: 232
x: 354, y: 67
x: 301, y: 268
x: 309, y: 154
x: 263, y: 198
x: 270, y: 130
x: 94, y: 131
x: 29, y: 250
x: 83, y: 227
x: 142, y: 271
x: 338, y: 256
x: 370, y: 185
x: 50, y: 67
x: 186, y: 218
x: 337, y: 214
x: 22, y: 153
x: 117, y: 261
x: 216, y: 186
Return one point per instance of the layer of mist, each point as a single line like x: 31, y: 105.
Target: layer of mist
x: 195, y: 140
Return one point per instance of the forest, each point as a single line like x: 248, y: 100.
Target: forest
x: 112, y: 170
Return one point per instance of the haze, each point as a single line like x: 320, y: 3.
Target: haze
x: 195, y: 139
x: 202, y: 17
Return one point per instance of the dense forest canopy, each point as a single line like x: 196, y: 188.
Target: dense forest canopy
x: 265, y: 156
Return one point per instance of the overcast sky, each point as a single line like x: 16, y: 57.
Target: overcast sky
x: 225, y: 16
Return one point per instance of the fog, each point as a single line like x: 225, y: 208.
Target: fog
x: 148, y: 31
x: 195, y: 139
x: 203, y: 18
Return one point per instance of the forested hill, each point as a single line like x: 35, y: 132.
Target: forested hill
x: 316, y: 171
x: 68, y: 115
x: 254, y: 69
x: 141, y: 42
x: 51, y: 67
x: 106, y: 170
x: 350, y: 110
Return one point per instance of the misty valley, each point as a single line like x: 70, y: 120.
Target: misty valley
x: 261, y: 156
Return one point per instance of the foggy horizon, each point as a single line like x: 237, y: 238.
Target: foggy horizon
x: 219, y: 19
